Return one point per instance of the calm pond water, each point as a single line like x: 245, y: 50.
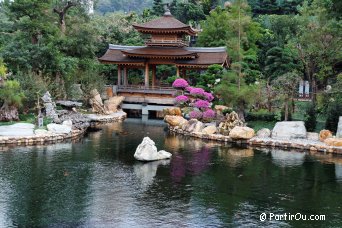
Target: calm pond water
x: 97, y: 183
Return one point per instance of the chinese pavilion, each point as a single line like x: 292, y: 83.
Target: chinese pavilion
x: 166, y: 45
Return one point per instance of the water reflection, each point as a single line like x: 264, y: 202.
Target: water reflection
x: 284, y: 158
x: 147, y: 171
x: 235, y: 156
x: 97, y: 183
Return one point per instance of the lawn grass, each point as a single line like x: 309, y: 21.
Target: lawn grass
x: 259, y: 124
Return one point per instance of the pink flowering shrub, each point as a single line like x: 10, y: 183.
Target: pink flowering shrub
x: 180, y: 83
x: 202, y: 104
x: 209, y: 114
x: 189, y: 88
x: 181, y: 99
x: 208, y: 96
x: 197, y: 92
x: 195, y: 114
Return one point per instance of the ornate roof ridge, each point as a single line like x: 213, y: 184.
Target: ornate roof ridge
x: 207, y: 49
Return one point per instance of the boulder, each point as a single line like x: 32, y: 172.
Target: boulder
x: 242, y: 133
x: 174, y: 111
x: 324, y: 134
x: 50, y: 107
x: 113, y: 103
x: 220, y: 108
x: 69, y: 104
x: 147, y: 151
x: 58, y: 128
x: 231, y: 120
x: 96, y: 102
x: 333, y: 142
x: 289, y: 130
x: 312, y: 136
x: 175, y: 120
x: 209, y: 130
x: 193, y: 125
x: 67, y: 123
x: 339, y: 128
x: 264, y: 133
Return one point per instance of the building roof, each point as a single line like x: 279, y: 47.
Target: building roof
x: 165, y: 24
x: 187, y: 57
x: 160, y: 52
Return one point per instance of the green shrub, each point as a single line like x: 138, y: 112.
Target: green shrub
x: 310, y: 118
x: 261, y: 114
x: 227, y: 111
x: 333, y: 113
x: 282, y: 113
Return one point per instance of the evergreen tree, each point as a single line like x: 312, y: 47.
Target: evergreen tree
x: 158, y: 8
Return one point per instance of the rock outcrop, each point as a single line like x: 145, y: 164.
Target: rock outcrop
x: 147, y: 151
x: 96, y: 103
x: 113, y: 104
x: 231, y: 120
x: 241, y: 133
x: 50, y: 107
x: 324, y: 134
x: 175, y: 120
x: 289, y: 130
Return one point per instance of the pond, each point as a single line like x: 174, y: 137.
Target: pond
x: 96, y: 182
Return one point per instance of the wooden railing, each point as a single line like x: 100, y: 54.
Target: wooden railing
x: 177, y: 42
x: 143, y: 89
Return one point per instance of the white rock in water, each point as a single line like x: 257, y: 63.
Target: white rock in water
x: 67, y: 123
x: 339, y: 128
x: 289, y: 130
x: 59, y: 128
x: 147, y: 151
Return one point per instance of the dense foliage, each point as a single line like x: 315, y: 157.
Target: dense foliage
x: 53, y: 45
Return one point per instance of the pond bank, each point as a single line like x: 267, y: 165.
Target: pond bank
x: 299, y: 144
x: 51, y: 137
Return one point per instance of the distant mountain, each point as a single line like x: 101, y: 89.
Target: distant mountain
x: 105, y: 6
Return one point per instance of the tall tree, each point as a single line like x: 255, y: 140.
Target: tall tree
x: 318, y: 43
x: 158, y: 7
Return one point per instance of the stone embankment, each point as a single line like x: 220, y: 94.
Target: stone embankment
x: 285, y: 135
x: 74, y: 127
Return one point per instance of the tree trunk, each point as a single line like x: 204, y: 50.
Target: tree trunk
x: 268, y: 90
x: 61, y: 13
x: 8, y: 113
x: 286, y: 109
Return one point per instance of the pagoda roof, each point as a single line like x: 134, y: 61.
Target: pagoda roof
x: 188, y: 57
x: 165, y: 24
x: 160, y: 52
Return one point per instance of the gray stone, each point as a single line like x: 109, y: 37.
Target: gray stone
x: 50, y: 107
x: 264, y: 133
x: 18, y: 129
x: 289, y: 130
x: 69, y: 104
x: 312, y: 136
x: 147, y: 151
x: 67, y: 123
x: 59, y: 128
x: 339, y: 128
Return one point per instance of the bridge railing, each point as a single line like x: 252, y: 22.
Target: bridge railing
x: 144, y: 89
